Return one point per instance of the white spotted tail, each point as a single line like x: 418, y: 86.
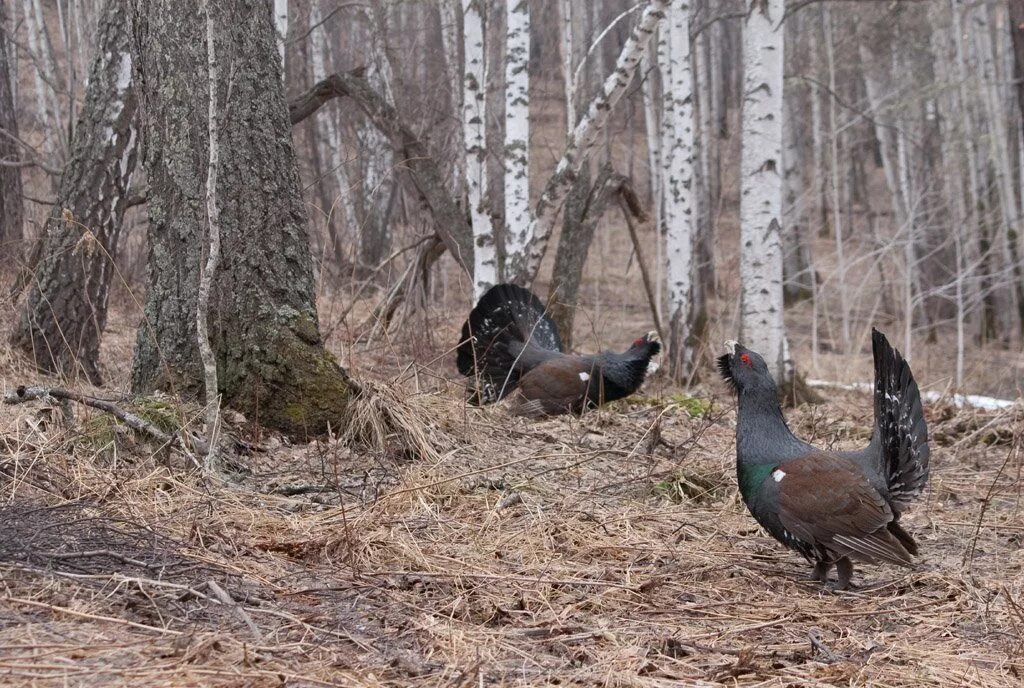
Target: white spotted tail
x: 900, y: 437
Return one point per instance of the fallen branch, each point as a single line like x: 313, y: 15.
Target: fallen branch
x: 175, y: 439
x: 226, y: 599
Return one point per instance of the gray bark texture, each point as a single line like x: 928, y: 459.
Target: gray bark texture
x: 12, y: 209
x: 583, y: 209
x: 66, y: 309
x: 263, y: 321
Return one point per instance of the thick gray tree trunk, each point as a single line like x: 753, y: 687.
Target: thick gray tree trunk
x: 66, y: 308
x: 11, y: 203
x: 263, y: 321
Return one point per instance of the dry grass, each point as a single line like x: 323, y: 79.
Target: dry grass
x: 462, y: 547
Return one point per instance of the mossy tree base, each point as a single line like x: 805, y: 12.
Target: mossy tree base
x: 296, y: 387
x: 271, y: 362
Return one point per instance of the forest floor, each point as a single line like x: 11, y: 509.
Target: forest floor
x: 610, y: 549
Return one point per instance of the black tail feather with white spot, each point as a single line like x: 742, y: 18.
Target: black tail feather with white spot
x: 900, y: 433
x: 506, y: 332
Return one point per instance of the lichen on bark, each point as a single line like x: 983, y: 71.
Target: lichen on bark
x: 271, y: 361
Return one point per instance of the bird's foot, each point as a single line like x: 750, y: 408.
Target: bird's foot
x: 821, y: 570
x: 839, y: 586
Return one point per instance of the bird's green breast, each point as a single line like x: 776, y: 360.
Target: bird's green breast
x: 752, y: 476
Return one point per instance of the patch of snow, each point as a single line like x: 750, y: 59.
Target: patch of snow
x: 958, y: 400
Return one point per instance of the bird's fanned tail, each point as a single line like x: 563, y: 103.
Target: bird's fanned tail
x: 900, y: 433
x: 508, y: 324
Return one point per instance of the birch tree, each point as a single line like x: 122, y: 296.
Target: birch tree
x: 474, y: 129
x: 677, y: 187
x: 582, y: 140
x: 762, y: 325
x: 66, y: 309
x: 517, y: 132
x: 451, y: 39
x: 281, y: 26
x: 44, y: 79
x: 376, y: 156
x: 327, y: 129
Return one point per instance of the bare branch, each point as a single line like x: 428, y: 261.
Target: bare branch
x: 450, y: 221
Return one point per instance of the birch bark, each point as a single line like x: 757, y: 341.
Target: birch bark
x: 474, y: 128
x: 678, y: 166
x: 761, y: 307
x: 583, y: 138
x: 517, y: 133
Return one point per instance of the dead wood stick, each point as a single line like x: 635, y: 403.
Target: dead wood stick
x: 103, y: 553
x: 25, y: 394
x: 643, y: 267
x: 92, y: 617
x: 226, y: 599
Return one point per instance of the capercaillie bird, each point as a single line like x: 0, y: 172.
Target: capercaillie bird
x: 510, y: 347
x: 832, y: 507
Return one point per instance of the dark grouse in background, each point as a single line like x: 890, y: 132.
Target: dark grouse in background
x: 509, y: 346
x: 832, y: 507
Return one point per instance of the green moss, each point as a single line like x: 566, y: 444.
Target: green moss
x: 98, y: 433
x: 689, y: 487
x: 293, y: 384
x: 158, y: 412
x: 102, y: 430
x: 305, y: 328
x: 695, y: 407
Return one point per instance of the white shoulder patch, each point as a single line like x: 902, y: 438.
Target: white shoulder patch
x: 778, y: 474
x: 584, y: 376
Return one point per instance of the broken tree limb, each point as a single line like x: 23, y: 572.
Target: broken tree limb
x: 450, y: 221
x: 582, y: 141
x: 222, y: 595
x: 175, y: 439
x: 630, y: 205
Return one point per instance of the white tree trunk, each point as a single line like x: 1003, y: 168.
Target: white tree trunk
x: 474, y: 110
x: 795, y: 266
x: 583, y: 137
x: 517, y: 132
x: 281, y: 23
x: 213, y: 257
x: 649, y: 73
x: 565, y: 35
x: 328, y: 124
x: 762, y: 321
x: 979, y: 26
x: 817, y: 124
x: 678, y: 166
x: 376, y: 152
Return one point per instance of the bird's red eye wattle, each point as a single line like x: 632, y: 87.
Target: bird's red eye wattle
x: 639, y: 341
x: 746, y: 360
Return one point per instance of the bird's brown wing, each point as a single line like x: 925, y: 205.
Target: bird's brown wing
x: 560, y: 385
x: 827, y: 501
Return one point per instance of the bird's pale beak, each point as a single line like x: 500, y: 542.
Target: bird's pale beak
x: 731, y: 345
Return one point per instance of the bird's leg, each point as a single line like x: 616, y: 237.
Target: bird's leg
x: 844, y: 567
x: 821, y: 569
